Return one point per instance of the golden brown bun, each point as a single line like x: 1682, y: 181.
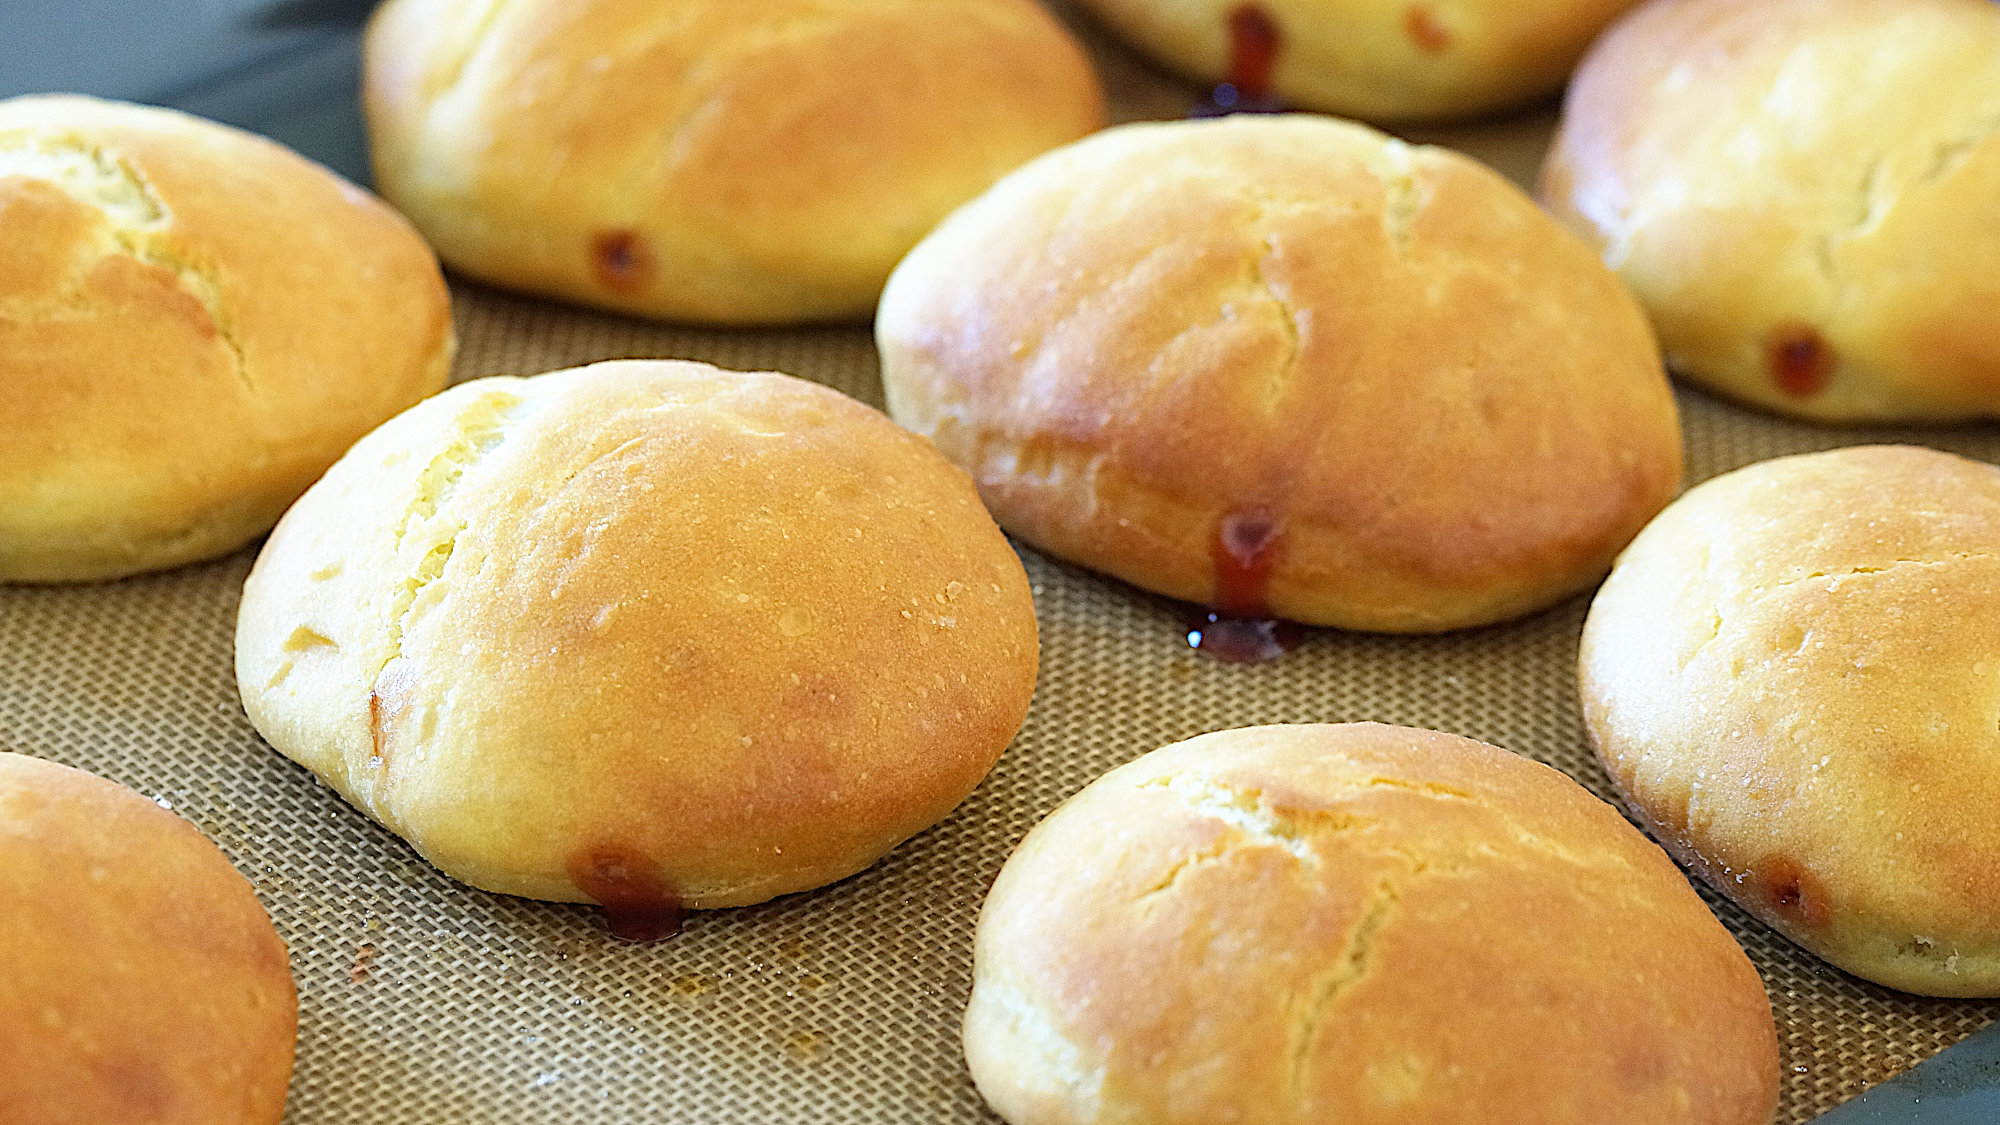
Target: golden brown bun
x: 738, y: 635
x: 194, y: 323
x: 1450, y: 412
x: 1360, y: 924
x: 1381, y: 60
x: 140, y: 981
x: 1792, y: 676
x: 1803, y: 194
x: 708, y: 160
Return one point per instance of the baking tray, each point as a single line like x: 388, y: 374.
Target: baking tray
x: 422, y: 1000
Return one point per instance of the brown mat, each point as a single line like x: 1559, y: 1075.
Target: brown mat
x: 425, y: 1002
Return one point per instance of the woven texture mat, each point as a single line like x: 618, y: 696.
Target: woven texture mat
x: 425, y: 1001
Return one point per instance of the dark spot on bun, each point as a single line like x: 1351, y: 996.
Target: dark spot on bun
x: 1799, y: 359
x: 1792, y: 891
x: 621, y: 260
x: 1424, y: 29
x: 138, y: 1086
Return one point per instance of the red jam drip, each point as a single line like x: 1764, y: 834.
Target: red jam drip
x: 621, y: 260
x: 1254, y: 43
x: 638, y: 906
x: 1240, y: 629
x: 1245, y: 552
x: 1800, y: 362
x: 1424, y: 29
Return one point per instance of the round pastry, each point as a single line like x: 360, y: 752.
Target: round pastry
x: 1793, y: 676
x: 194, y: 324
x: 646, y: 634
x: 142, y: 982
x: 1287, y: 365
x: 1382, y: 60
x: 708, y: 160
x: 1805, y: 194
x: 1356, y: 923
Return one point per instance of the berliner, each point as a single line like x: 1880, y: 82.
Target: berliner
x: 1285, y: 365
x: 194, y: 324
x: 1805, y: 194
x: 708, y: 160
x: 1793, y: 676
x: 646, y: 634
x: 1358, y: 923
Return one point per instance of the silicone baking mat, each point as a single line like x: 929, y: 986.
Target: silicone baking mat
x: 425, y: 1001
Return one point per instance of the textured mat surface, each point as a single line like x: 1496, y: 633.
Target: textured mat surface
x: 424, y: 1001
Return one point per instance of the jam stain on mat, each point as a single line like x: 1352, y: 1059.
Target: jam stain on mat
x: 364, y: 963
x: 621, y: 260
x: 1240, y: 629
x: 806, y: 1046
x: 639, y: 907
x: 692, y: 984
x: 1799, y: 360
x: 1254, y: 43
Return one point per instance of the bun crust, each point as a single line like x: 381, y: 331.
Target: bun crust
x: 700, y: 635
x: 1802, y: 194
x: 194, y: 324
x: 1356, y: 923
x: 1797, y: 696
x: 1448, y: 411
x: 703, y: 160
x: 143, y: 981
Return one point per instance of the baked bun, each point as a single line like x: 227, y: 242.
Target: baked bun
x: 1356, y: 923
x: 646, y: 634
x: 1287, y: 365
x: 1805, y: 194
x: 1379, y: 60
x: 708, y: 160
x: 194, y: 324
x: 142, y: 981
x: 1792, y: 676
